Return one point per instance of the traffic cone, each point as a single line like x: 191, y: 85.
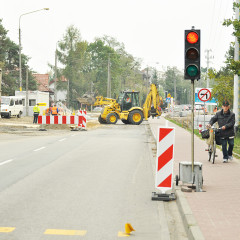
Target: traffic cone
x: 128, y: 228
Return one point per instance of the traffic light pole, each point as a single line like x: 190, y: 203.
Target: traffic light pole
x: 192, y: 136
x: 0, y: 89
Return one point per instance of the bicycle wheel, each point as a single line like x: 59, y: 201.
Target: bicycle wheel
x: 214, y: 152
x: 209, y: 152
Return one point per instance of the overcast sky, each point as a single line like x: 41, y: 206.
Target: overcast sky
x: 152, y: 30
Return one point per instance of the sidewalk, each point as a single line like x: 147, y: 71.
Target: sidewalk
x: 215, y: 213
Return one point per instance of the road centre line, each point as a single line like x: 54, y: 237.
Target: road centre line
x: 38, y: 149
x: 62, y: 139
x: 65, y: 232
x: 6, y: 229
x: 7, y: 161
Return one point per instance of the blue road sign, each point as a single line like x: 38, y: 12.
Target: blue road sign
x: 198, y: 101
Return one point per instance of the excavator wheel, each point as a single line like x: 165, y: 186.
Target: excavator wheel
x: 112, y: 118
x: 101, y: 121
x: 135, y: 117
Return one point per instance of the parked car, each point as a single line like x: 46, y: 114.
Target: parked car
x: 97, y: 109
x: 11, y: 106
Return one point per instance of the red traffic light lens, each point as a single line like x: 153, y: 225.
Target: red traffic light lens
x: 192, y: 37
x: 192, y: 54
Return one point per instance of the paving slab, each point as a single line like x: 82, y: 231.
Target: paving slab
x: 215, y: 212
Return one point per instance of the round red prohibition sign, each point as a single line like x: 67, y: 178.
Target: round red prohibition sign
x: 204, y: 94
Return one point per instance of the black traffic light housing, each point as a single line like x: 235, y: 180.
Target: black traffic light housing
x: 192, y: 67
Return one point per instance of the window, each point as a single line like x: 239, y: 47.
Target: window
x: 32, y: 102
x: 11, y: 102
x: 23, y: 102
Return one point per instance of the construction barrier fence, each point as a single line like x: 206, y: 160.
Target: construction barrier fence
x: 80, y: 120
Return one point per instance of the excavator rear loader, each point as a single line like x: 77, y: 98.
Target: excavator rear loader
x: 127, y: 107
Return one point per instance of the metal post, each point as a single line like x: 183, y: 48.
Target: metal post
x: 193, y: 97
x: 27, y: 102
x: 207, y: 67
x: 20, y: 59
x: 55, y: 80
x: 236, y: 79
x: 0, y: 90
x: 109, y: 80
x: 204, y: 116
x: 20, y: 45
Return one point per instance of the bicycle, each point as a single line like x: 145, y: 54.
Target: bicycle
x: 213, y: 140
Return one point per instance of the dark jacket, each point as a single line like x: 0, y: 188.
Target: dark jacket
x: 227, y: 120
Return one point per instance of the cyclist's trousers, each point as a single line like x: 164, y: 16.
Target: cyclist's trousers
x: 227, y: 151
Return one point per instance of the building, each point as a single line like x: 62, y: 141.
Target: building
x: 33, y: 98
x: 61, y: 95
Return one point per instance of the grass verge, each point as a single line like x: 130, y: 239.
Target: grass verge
x: 236, y: 150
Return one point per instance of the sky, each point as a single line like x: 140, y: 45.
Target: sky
x: 152, y: 30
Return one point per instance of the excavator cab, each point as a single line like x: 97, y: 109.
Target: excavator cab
x: 128, y: 100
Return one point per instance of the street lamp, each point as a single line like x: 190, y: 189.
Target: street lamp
x: 20, y: 58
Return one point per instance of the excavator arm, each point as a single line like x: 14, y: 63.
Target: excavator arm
x: 100, y: 100
x: 153, y: 103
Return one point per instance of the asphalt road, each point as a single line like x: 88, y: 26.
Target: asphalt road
x: 79, y: 185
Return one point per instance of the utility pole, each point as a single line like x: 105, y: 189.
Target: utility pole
x: 175, y: 90
x: 208, y: 57
x: 27, y: 102
x: 55, y: 80
x: 236, y: 78
x: 0, y: 89
x: 109, y: 79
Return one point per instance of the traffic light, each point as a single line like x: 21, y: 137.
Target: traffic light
x: 192, y: 68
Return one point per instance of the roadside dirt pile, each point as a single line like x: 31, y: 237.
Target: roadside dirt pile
x: 25, y: 124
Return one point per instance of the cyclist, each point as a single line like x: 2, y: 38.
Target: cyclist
x: 226, y: 121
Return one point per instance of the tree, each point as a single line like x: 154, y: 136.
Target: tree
x: 232, y: 64
x: 68, y: 48
x: 9, y: 62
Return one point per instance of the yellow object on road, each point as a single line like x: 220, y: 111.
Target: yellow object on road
x: 128, y: 228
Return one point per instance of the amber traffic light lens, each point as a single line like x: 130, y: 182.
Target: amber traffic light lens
x: 192, y: 54
x: 192, y: 37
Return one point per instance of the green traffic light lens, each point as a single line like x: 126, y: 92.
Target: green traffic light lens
x: 192, y: 71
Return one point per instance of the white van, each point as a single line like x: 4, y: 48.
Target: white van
x: 11, y: 106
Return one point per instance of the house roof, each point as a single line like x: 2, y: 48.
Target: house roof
x: 62, y: 78
x: 42, y: 81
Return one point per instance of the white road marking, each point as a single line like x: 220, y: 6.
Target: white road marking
x: 8, y: 161
x: 62, y: 139
x: 38, y: 149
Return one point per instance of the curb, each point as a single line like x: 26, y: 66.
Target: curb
x: 190, y: 224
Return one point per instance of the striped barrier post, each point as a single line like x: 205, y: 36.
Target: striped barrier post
x: 164, y: 163
x: 200, y: 128
x: 82, y: 114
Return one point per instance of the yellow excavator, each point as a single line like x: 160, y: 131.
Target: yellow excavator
x: 100, y: 100
x: 127, y: 107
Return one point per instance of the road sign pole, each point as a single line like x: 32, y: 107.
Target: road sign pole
x: 204, y: 116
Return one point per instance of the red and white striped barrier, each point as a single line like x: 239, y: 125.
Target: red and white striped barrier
x: 79, y: 120
x: 165, y: 157
x: 83, y: 119
x: 200, y: 127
